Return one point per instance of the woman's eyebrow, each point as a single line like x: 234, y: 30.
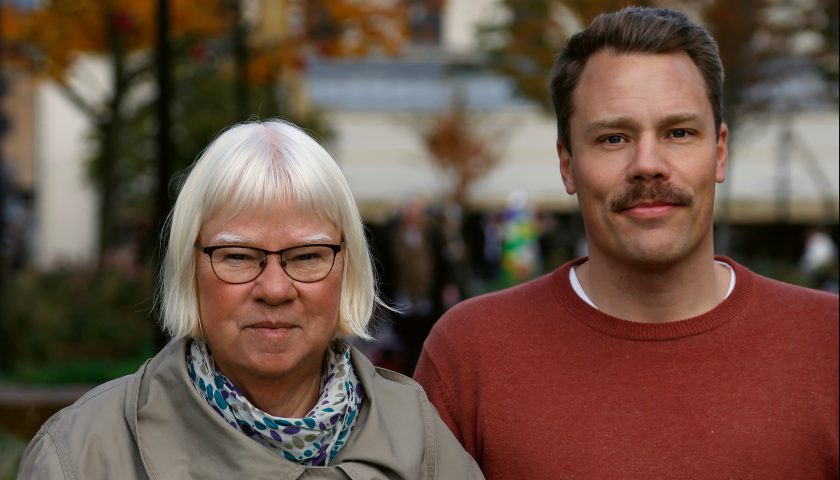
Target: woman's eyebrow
x: 317, y: 238
x: 231, y: 238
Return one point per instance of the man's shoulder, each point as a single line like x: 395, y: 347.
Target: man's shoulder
x: 519, y: 299
x: 794, y: 295
x: 774, y: 298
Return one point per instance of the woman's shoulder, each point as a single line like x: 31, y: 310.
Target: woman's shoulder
x: 96, y: 422
x: 386, y: 385
x: 400, y: 417
x: 107, y: 398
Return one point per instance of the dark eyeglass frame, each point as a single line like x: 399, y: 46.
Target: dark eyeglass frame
x: 336, y: 248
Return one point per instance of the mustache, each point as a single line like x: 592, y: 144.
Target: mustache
x: 650, y: 192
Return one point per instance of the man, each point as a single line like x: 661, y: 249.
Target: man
x: 651, y: 357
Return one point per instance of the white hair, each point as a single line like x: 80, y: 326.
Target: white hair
x: 258, y: 164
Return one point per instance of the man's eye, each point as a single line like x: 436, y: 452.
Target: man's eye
x: 679, y: 133
x: 613, y: 139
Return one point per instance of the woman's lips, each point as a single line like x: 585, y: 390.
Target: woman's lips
x: 270, y: 329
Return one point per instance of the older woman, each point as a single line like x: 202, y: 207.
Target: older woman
x: 266, y: 271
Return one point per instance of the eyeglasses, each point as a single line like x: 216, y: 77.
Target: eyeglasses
x: 304, y: 263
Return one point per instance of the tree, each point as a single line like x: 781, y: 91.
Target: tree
x: 286, y: 33
x: 267, y: 53
x: 55, y: 36
x: 457, y: 147
x: 757, y: 39
x: 524, y: 44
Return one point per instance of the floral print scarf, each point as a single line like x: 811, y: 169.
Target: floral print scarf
x: 312, y: 440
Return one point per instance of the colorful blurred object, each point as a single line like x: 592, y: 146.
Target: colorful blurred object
x: 520, y: 240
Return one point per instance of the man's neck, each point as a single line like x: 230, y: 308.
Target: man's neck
x: 655, y: 294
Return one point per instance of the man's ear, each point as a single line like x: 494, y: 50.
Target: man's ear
x: 721, y: 151
x: 565, y: 157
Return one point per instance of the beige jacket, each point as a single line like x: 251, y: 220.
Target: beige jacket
x: 153, y: 424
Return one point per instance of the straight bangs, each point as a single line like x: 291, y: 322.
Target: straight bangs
x: 262, y: 171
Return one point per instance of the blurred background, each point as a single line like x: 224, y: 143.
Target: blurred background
x: 437, y: 111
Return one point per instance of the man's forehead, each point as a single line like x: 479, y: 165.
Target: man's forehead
x: 632, y: 69
x: 614, y: 88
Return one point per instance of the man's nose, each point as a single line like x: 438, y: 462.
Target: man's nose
x: 649, y: 160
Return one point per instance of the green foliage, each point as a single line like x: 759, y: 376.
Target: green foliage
x: 11, y: 450
x: 76, y: 325
x: 202, y: 107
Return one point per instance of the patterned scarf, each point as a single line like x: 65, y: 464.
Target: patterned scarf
x: 312, y: 440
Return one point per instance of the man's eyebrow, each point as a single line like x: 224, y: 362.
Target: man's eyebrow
x: 677, y: 118
x: 628, y: 123
x: 613, y: 123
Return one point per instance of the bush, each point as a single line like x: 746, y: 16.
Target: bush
x: 11, y: 449
x: 75, y: 325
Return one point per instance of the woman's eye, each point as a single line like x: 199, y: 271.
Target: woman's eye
x: 236, y: 255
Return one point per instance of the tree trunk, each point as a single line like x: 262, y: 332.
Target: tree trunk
x: 163, y: 201
x: 240, y: 58
x: 111, y: 127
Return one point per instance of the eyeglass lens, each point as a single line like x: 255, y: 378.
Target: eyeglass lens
x: 308, y: 263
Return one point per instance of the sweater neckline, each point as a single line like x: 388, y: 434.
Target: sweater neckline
x: 607, y: 324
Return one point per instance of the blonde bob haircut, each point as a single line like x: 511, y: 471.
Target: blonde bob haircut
x: 255, y: 164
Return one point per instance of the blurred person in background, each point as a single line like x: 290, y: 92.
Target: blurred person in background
x: 491, y: 231
x: 651, y: 357
x: 457, y: 275
x: 819, y: 260
x: 267, y: 271
x: 416, y: 263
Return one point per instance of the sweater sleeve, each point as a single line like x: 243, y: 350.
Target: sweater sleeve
x: 446, y: 371
x: 428, y: 375
x: 41, y: 459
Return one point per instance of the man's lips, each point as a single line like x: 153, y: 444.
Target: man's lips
x: 651, y: 204
x: 649, y: 209
x: 644, y: 197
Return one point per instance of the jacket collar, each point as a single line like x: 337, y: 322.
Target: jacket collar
x: 177, y: 433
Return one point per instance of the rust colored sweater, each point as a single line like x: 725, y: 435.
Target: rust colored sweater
x: 536, y: 384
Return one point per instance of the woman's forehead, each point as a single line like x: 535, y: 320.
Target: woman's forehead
x: 242, y: 224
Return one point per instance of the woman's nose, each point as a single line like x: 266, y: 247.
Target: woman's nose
x: 273, y: 285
